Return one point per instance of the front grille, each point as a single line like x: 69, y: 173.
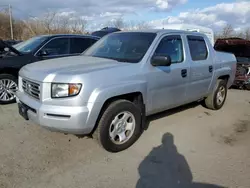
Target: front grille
x: 31, y: 88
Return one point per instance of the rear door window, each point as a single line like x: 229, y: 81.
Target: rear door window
x: 79, y: 45
x: 198, y: 48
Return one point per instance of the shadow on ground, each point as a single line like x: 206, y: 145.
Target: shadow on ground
x: 171, y: 112
x: 164, y: 167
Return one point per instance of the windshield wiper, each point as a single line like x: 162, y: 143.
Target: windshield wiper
x: 105, y: 57
x: 127, y: 60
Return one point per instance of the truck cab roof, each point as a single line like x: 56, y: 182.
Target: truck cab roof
x: 165, y: 31
x: 68, y: 35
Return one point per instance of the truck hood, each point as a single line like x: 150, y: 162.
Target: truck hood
x: 45, y: 71
x: 11, y: 48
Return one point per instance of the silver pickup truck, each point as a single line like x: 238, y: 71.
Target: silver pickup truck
x: 108, y: 91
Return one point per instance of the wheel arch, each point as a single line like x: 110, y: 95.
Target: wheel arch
x: 225, y: 77
x: 105, y: 97
x: 11, y: 71
x: 135, y: 97
x: 223, y: 73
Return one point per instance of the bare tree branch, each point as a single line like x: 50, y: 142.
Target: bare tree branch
x: 247, y: 34
x: 227, y: 31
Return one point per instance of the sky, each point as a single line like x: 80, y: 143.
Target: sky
x: 215, y: 14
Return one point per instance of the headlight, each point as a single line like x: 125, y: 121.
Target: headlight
x: 65, y: 90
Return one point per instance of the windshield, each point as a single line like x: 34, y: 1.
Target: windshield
x: 124, y: 47
x: 30, y: 44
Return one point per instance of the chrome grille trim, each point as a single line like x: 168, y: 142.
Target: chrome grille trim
x: 31, y: 88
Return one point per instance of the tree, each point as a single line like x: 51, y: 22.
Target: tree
x: 132, y: 25
x: 118, y: 23
x: 78, y: 25
x: 247, y: 34
x: 227, y: 31
x: 5, y: 26
x: 48, y: 21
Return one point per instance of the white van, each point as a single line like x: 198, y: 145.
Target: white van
x: 195, y: 28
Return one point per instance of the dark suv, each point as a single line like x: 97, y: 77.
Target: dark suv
x: 104, y: 31
x: 36, y: 49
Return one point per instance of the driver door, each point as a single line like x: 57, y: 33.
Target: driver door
x: 55, y: 48
x: 168, y: 84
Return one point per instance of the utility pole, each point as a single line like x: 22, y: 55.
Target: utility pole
x: 11, y: 25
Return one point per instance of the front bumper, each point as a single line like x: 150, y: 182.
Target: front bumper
x: 66, y: 119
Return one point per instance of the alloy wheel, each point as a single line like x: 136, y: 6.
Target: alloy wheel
x: 8, y: 89
x: 122, y: 127
x: 220, y: 97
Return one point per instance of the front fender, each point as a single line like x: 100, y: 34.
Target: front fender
x: 100, y: 95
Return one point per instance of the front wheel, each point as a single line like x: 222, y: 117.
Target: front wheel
x: 119, y: 126
x: 8, y: 88
x: 217, y: 98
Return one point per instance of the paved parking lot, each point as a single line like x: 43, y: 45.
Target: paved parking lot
x: 189, y: 146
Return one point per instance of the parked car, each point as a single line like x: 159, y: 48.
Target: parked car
x: 36, y: 49
x: 12, y: 42
x: 2, y: 46
x: 109, y: 90
x: 242, y: 77
x: 104, y: 31
x: 241, y: 49
x: 7, y: 42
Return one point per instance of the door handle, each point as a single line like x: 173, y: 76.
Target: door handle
x: 210, y: 68
x: 184, y: 73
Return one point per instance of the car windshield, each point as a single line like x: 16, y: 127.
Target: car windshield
x: 124, y: 47
x: 30, y: 44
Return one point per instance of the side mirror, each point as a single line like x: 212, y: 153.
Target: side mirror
x: 43, y: 53
x: 161, y: 61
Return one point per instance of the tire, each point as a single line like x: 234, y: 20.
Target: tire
x: 107, y: 124
x: 211, y: 102
x: 7, y: 89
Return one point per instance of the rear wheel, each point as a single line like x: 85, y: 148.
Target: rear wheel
x: 217, y: 98
x: 119, y: 126
x: 8, y: 88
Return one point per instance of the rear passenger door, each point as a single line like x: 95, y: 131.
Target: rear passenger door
x: 80, y: 44
x: 201, y: 67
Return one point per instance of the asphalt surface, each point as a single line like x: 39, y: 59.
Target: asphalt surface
x: 186, y: 147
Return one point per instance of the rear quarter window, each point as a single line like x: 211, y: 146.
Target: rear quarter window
x: 198, y: 48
